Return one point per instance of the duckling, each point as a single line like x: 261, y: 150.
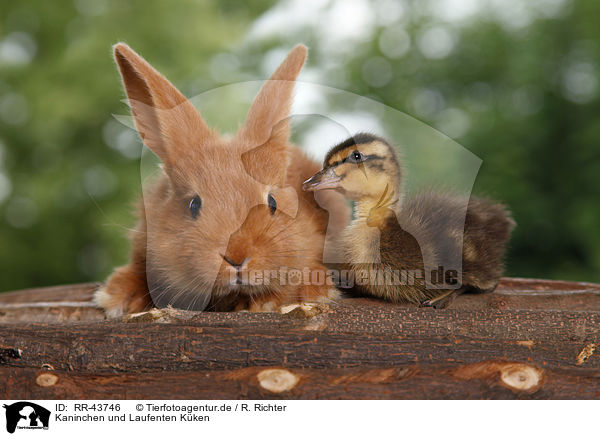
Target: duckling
x: 417, y: 236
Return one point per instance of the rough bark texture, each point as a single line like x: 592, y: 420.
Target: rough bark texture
x: 529, y: 339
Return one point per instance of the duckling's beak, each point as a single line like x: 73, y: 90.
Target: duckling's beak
x: 324, y: 179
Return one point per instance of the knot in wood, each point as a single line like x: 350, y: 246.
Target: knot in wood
x: 277, y: 380
x: 521, y: 377
x: 46, y: 379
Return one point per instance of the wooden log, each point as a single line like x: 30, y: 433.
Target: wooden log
x: 550, y: 326
x: 70, y: 303
x: 58, y: 304
x: 485, y: 380
x: 147, y: 347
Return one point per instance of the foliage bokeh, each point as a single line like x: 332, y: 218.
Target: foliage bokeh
x: 516, y: 84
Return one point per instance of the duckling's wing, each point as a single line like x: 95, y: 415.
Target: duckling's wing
x: 437, y: 222
x: 456, y: 232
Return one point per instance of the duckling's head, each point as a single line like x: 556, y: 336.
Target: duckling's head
x: 363, y: 167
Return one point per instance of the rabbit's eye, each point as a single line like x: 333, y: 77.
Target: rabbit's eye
x: 272, y: 204
x: 195, y: 206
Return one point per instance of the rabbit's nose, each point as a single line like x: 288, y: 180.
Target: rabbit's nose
x: 233, y: 263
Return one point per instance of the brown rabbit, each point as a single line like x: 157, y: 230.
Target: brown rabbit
x: 224, y: 212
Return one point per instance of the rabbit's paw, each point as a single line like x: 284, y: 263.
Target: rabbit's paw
x: 319, y: 294
x: 265, y: 303
x: 108, y: 302
x: 124, y: 292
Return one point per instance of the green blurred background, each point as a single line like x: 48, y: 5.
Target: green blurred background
x: 515, y: 82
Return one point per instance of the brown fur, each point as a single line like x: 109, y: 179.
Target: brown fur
x: 176, y: 254
x: 420, y: 233
x: 425, y: 227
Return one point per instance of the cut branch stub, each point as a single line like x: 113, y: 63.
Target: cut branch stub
x: 277, y: 380
x: 519, y: 377
x: 516, y: 376
x: 46, y: 379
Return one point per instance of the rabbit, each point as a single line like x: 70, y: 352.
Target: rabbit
x: 222, y: 209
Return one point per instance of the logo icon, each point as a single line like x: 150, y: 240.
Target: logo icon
x: 26, y: 415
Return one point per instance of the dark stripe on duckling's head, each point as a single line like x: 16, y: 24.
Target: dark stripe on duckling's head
x: 361, y: 167
x: 343, y: 151
x: 359, y: 138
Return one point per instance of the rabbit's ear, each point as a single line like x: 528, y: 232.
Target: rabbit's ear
x: 273, y: 102
x: 166, y: 121
x: 267, y: 125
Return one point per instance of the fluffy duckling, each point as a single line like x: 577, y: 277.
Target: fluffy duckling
x: 421, y: 249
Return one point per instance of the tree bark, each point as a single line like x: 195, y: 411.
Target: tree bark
x: 55, y: 344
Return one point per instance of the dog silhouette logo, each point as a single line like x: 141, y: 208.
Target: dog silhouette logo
x: 26, y: 415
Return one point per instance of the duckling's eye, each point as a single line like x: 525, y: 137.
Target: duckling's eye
x: 356, y: 157
x: 272, y: 204
x: 195, y: 206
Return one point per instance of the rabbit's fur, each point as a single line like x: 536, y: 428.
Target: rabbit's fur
x: 181, y: 259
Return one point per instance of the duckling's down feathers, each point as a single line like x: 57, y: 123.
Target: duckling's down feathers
x: 433, y: 229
